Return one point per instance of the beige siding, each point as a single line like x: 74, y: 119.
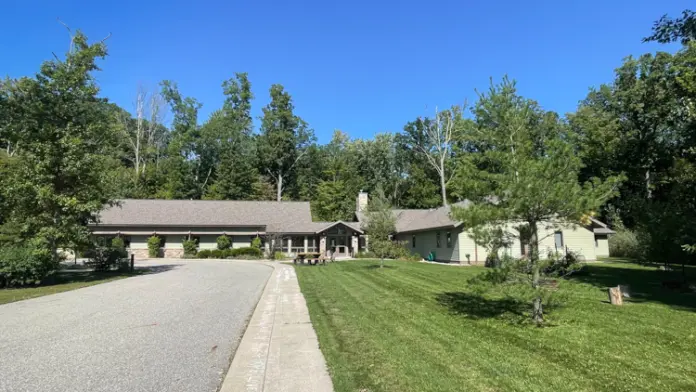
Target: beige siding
x: 602, y: 245
x: 575, y: 237
x: 426, y: 242
x: 467, y: 246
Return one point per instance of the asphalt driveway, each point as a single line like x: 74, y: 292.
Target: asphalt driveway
x: 174, y: 329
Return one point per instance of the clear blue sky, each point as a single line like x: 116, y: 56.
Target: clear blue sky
x: 359, y: 66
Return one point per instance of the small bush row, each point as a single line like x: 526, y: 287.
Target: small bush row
x: 243, y: 253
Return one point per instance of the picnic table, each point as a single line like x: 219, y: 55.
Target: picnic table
x: 313, y: 258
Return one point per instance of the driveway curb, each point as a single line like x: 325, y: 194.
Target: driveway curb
x: 279, y: 350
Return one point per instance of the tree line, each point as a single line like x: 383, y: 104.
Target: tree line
x: 66, y: 152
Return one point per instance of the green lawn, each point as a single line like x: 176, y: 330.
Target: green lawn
x: 61, y: 281
x: 419, y: 327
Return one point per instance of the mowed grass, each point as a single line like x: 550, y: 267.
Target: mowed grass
x: 419, y: 327
x: 61, y: 281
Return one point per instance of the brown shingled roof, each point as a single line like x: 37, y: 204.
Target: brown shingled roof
x: 284, y: 217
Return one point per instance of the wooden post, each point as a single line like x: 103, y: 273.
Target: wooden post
x: 132, y: 263
x: 615, y: 296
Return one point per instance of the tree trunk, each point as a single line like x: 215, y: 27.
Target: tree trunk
x: 615, y: 296
x: 280, y: 186
x: 537, y: 306
x: 647, y: 184
x: 443, y: 187
x: 381, y: 263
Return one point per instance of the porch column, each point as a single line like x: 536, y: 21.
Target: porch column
x: 367, y: 248
x: 289, y: 245
x: 354, y: 244
x: 267, y: 247
x: 305, y: 244
x: 322, y: 244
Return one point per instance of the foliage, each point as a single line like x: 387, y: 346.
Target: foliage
x: 25, y: 264
x: 668, y: 29
x: 217, y: 254
x: 381, y: 224
x: 256, y: 243
x: 246, y: 252
x: 278, y: 256
x: 190, y: 247
x: 118, y: 243
x: 204, y: 254
x: 103, y: 257
x: 559, y: 265
x: 282, y: 140
x: 625, y: 244
x: 523, y: 170
x: 153, y: 246
x: 223, y: 242
x: 57, y: 129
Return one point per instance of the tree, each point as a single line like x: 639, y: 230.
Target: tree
x: 668, y: 30
x: 60, y: 133
x: 335, y: 194
x: 283, y: 139
x: 144, y: 135
x: 229, y: 145
x: 524, y: 173
x: 380, y: 224
x: 434, y: 139
x: 186, y: 173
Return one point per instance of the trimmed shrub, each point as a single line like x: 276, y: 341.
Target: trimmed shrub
x: 203, y: 254
x: 223, y: 242
x: 104, y: 258
x: 153, y: 246
x: 256, y: 243
x: 216, y: 254
x: 248, y: 251
x: 118, y: 243
x: 278, y: 256
x: 227, y: 253
x: 25, y: 264
x: 190, y: 248
x: 625, y: 243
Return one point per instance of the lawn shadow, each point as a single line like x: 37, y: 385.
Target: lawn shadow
x: 645, y: 284
x: 478, y: 307
x: 82, y: 275
x: 377, y: 266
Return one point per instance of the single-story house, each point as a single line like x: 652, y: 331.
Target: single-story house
x: 288, y: 227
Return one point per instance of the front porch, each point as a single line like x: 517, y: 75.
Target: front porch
x: 338, y: 240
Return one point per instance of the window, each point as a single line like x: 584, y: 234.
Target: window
x: 596, y: 242
x: 163, y: 241
x: 438, y: 243
x: 449, y: 239
x: 413, y: 241
x: 558, y: 237
x: 126, y: 241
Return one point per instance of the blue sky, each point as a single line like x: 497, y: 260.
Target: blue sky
x: 359, y: 66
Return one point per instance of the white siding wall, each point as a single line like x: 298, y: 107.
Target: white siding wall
x: 426, y: 242
x: 467, y: 246
x: 602, y: 248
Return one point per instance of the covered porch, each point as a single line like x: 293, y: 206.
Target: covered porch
x: 333, y: 239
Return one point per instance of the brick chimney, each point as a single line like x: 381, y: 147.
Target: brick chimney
x: 361, y: 204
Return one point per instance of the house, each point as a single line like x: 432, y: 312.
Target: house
x: 426, y: 231
x: 288, y: 227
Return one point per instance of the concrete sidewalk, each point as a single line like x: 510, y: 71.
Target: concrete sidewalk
x: 279, y: 350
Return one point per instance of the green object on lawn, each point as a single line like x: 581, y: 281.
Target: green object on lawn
x: 431, y: 256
